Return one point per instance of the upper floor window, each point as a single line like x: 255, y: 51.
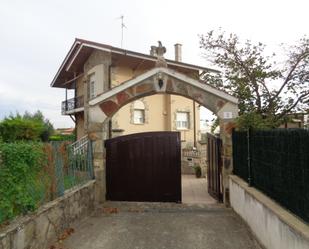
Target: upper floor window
x: 91, y: 86
x: 182, y: 120
x: 138, y: 112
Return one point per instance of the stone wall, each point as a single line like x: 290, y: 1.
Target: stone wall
x: 43, y: 227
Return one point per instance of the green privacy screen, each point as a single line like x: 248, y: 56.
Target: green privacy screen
x: 277, y: 161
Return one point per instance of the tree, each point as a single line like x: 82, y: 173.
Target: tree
x: 38, y: 116
x: 266, y: 92
x: 27, y: 127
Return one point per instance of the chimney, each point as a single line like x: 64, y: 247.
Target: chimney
x: 177, y: 52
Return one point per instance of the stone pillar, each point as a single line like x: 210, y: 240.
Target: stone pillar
x: 226, y: 128
x: 227, y: 115
x: 95, y: 133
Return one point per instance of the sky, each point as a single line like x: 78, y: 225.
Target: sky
x: 36, y: 35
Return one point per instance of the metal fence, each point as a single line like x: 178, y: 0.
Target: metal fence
x: 277, y: 163
x: 32, y: 174
x: 72, y: 164
x: 240, y: 155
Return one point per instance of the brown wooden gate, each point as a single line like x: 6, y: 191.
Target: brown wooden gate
x: 214, y: 171
x: 144, y: 167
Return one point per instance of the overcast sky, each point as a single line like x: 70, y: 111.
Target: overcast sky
x: 36, y: 35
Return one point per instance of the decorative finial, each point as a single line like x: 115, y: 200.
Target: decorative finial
x: 160, y: 51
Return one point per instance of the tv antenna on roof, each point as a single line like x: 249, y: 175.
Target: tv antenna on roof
x: 122, y: 27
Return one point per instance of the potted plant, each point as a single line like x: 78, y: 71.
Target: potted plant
x: 197, y: 170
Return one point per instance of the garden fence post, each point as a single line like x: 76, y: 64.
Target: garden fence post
x: 249, y: 134
x: 90, y: 159
x: 58, y: 168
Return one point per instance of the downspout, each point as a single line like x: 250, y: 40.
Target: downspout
x: 110, y: 124
x: 75, y: 106
x: 249, y: 157
x: 194, y: 125
x: 75, y: 92
x: 109, y: 77
x: 66, y: 99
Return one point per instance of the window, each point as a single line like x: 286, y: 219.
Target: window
x: 138, y: 112
x: 182, y: 120
x: 91, y: 87
x: 139, y: 116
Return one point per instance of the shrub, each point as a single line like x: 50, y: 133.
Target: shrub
x: 60, y: 137
x: 13, y: 129
x: 197, y: 170
x: 22, y: 187
x: 29, y: 127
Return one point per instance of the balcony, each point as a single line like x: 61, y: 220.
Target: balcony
x: 73, y: 105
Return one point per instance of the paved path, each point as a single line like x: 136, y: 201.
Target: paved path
x: 194, y: 190
x: 155, y: 226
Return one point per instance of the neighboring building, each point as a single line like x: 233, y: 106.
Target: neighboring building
x: 90, y: 69
x: 306, y: 121
x: 64, y: 131
x: 296, y: 120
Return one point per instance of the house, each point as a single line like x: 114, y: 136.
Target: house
x: 90, y: 69
x: 296, y: 120
x: 118, y: 91
x: 64, y: 131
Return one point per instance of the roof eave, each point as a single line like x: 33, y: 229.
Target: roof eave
x: 76, y: 42
x: 118, y: 51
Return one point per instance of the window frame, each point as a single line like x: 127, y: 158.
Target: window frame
x: 138, y: 112
x: 91, y: 86
x: 141, y: 117
x: 187, y: 121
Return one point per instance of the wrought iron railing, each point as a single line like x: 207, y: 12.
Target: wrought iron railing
x: 73, y: 164
x: 71, y: 104
x: 80, y: 146
x: 191, y: 153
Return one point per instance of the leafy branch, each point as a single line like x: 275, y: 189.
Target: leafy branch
x: 253, y: 77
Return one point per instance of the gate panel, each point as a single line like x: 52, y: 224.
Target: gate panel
x: 144, y: 167
x: 214, y: 171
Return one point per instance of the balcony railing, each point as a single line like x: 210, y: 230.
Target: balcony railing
x: 72, y: 104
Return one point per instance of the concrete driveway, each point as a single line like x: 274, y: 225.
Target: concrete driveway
x: 194, y: 190
x: 155, y: 226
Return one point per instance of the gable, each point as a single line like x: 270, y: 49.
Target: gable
x: 73, y: 64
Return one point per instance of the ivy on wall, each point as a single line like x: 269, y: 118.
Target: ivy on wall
x: 22, y: 186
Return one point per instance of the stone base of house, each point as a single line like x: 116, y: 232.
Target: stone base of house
x: 43, y: 227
